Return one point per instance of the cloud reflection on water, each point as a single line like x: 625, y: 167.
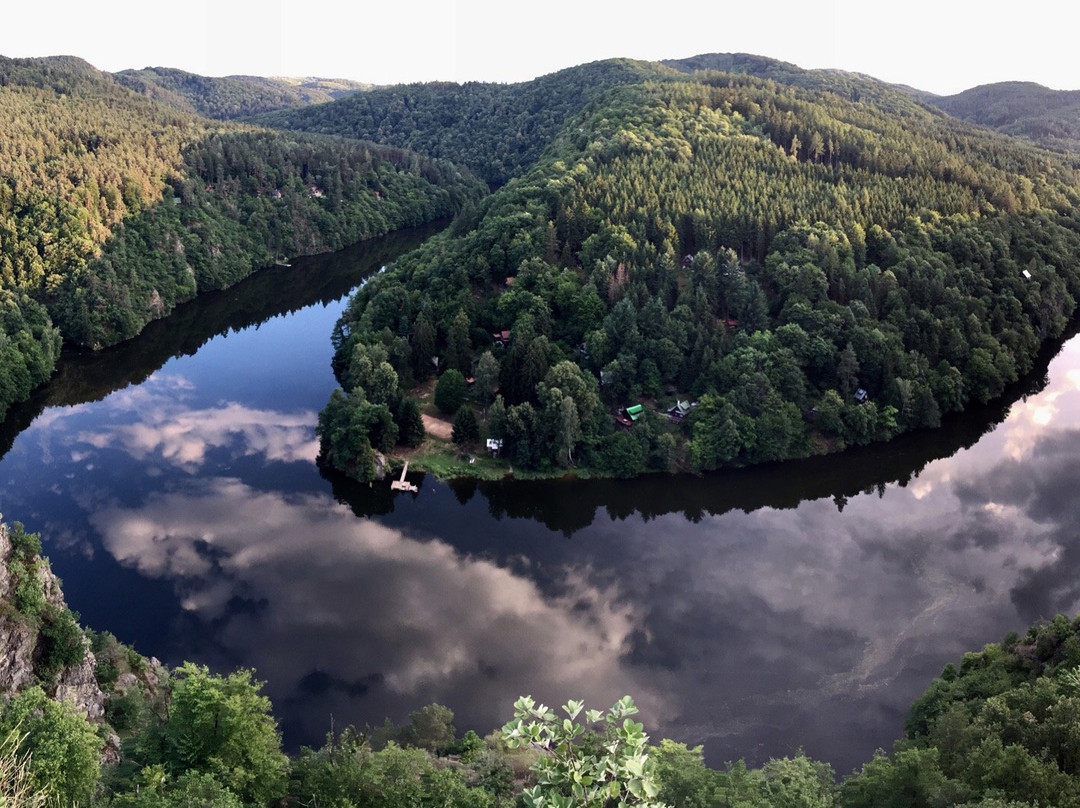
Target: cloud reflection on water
x: 777, y: 628
x: 168, y: 427
x: 352, y: 601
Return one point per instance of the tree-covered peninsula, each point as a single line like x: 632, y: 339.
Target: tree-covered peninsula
x: 114, y: 208
x: 707, y: 268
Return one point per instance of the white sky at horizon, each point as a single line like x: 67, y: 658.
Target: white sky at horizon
x: 943, y: 46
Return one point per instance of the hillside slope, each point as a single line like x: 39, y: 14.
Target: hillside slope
x: 818, y: 263
x: 113, y: 208
x: 1020, y: 108
x: 497, y: 130
x: 231, y: 97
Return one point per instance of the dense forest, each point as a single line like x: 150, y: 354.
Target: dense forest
x: 999, y: 730
x: 496, y: 130
x: 114, y: 208
x: 802, y: 266
x: 230, y: 97
x: 1021, y: 108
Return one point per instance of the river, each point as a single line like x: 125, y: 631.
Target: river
x: 756, y: 612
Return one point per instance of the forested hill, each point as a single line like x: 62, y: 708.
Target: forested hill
x: 113, y: 207
x: 815, y: 268
x: 497, y: 130
x: 1021, y: 108
x: 231, y: 97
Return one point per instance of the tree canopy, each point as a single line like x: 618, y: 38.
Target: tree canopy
x: 816, y: 264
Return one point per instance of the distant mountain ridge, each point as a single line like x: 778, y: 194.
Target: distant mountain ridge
x: 1020, y: 108
x: 230, y: 97
x: 496, y: 130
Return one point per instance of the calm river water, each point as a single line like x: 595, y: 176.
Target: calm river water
x: 173, y: 480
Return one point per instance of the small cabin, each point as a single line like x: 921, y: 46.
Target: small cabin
x: 861, y: 396
x: 501, y: 338
x: 1027, y: 275
x: 494, y: 445
x: 635, y: 412
x: 680, y: 410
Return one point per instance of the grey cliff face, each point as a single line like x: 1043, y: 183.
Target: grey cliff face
x: 19, y: 638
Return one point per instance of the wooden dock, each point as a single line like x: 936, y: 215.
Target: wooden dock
x: 402, y: 485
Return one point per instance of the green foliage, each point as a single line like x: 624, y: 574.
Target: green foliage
x: 798, y: 782
x: 128, y: 710
x: 1019, y: 108
x: 335, y: 775
x: 410, y: 423
x: 497, y: 130
x: 351, y: 429
x: 23, y: 566
x: 470, y: 747
x: 25, y: 546
x: 17, y: 787
x: 487, y: 378
x: 228, y: 97
x: 431, y: 728
x: 154, y: 789
x: 621, y: 455
x: 571, y: 773
x: 61, y: 644
x: 466, y: 426
x: 766, y: 249
x: 115, y: 208
x: 685, y: 781
x: 346, y: 772
x: 61, y: 746
x: 222, y: 726
x: 450, y: 391
x: 1000, y: 730
x: 908, y: 778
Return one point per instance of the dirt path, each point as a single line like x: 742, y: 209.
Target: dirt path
x: 438, y: 427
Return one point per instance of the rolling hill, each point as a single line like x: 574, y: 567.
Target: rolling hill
x: 114, y: 207
x: 231, y: 97
x: 816, y: 257
x: 1048, y: 117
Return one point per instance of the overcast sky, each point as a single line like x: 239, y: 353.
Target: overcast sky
x: 939, y: 45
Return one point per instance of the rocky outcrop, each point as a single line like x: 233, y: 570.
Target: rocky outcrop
x: 19, y: 638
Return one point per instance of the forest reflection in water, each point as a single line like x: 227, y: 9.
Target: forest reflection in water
x: 755, y: 611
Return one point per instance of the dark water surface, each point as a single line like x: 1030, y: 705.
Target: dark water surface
x: 806, y: 605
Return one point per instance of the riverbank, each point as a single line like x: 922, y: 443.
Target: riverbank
x: 446, y: 461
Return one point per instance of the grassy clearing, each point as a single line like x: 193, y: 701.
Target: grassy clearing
x: 446, y: 461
